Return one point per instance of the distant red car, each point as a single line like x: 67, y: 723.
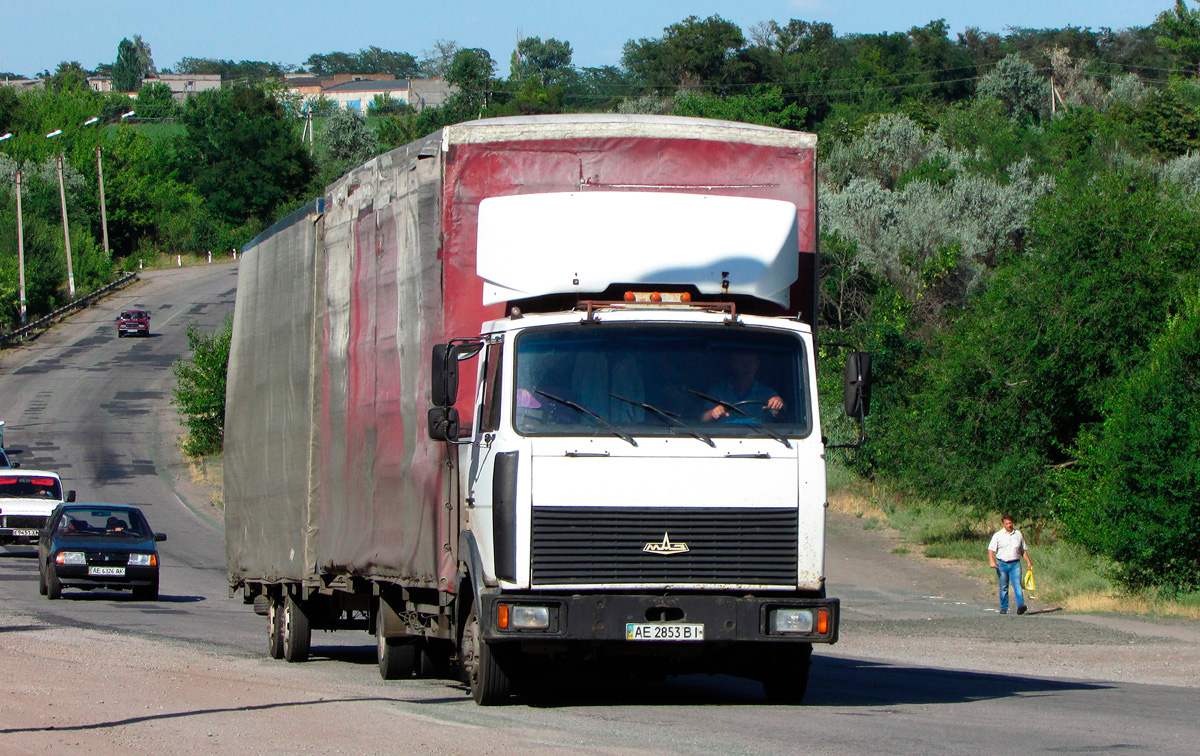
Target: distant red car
x: 133, y: 322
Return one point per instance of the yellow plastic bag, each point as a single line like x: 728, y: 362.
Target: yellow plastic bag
x: 1027, y: 580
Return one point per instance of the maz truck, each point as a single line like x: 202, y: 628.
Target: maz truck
x: 537, y: 395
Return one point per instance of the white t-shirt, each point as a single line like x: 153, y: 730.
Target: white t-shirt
x: 1008, y: 546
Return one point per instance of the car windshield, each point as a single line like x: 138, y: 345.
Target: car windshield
x: 29, y: 487
x: 134, y: 314
x: 661, y: 380
x: 92, y: 521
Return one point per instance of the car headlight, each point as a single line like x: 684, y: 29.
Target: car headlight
x: 792, y: 621
x: 71, y: 557
x: 142, y: 560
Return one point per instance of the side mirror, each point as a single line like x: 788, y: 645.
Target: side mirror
x: 858, y: 384
x: 443, y: 424
x: 160, y: 536
x: 70, y: 496
x: 16, y: 465
x: 444, y: 384
x: 444, y: 369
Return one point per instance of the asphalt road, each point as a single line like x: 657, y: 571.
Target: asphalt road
x: 924, y: 666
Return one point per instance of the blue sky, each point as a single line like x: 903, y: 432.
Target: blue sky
x: 38, y: 34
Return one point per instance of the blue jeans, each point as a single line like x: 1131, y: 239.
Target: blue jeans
x: 1009, y: 572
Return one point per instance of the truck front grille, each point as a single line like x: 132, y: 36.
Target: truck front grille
x: 580, y: 545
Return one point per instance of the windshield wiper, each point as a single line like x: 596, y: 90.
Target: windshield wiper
x: 670, y: 419
x: 744, y: 414
x: 587, y: 412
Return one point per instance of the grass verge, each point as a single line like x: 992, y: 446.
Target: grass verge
x: 1066, y: 574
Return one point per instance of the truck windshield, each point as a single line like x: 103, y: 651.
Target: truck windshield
x: 694, y: 381
x: 29, y: 487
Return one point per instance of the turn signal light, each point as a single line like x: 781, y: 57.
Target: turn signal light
x: 822, y: 621
x: 502, y: 616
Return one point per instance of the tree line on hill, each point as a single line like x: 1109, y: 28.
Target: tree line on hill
x: 1009, y: 222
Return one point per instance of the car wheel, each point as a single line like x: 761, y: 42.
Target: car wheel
x: 146, y: 592
x: 53, y: 587
x: 297, y: 632
x: 120, y: 334
x: 786, y: 681
x: 275, y: 628
x: 42, y: 579
x: 484, y: 676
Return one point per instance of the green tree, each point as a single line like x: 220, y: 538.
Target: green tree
x: 1135, y: 496
x: 242, y: 154
x: 1015, y: 82
x: 345, y: 142
x: 545, y: 61
x: 471, y: 71
x: 1179, y: 33
x: 763, y: 105
x: 154, y: 100
x: 127, y: 69
x: 200, y: 388
x: 69, y: 77
x: 690, y: 53
x: 371, y: 60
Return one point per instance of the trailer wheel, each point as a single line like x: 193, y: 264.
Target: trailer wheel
x: 275, y: 628
x: 488, y: 683
x: 397, y: 656
x: 297, y: 632
x: 786, y: 681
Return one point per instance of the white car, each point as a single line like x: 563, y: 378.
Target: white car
x: 27, y: 497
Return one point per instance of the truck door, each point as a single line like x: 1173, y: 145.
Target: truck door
x: 493, y: 471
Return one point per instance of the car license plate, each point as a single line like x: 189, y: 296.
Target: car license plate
x: 663, y: 631
x: 25, y: 532
x: 117, y: 571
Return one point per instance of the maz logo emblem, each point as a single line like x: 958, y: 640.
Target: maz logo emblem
x: 665, y: 547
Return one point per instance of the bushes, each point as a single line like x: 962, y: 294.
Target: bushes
x: 200, y: 389
x: 1136, y: 494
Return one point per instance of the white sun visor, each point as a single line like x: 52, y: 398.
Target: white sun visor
x: 582, y: 242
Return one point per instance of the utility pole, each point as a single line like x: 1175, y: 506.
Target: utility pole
x: 103, y: 212
x: 62, y: 195
x: 20, y: 250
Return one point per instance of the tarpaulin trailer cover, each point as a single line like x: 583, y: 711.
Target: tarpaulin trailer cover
x: 329, y: 470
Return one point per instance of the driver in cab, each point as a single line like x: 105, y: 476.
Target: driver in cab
x: 743, y: 391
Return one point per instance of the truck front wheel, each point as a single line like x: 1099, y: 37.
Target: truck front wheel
x: 297, y: 632
x: 488, y: 683
x: 786, y: 678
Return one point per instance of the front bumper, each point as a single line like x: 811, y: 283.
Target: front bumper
x: 603, y: 618
x: 77, y: 576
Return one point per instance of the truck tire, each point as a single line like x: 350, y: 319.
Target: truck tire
x: 297, y: 631
x: 482, y: 671
x: 397, y: 656
x: 433, y: 659
x: 275, y: 628
x: 786, y: 680
x: 53, y: 587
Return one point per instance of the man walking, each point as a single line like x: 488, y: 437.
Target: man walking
x: 1005, y: 552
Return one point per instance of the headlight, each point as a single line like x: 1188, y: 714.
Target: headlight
x: 71, y: 557
x: 142, y: 560
x: 792, y: 621
x: 518, y: 617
